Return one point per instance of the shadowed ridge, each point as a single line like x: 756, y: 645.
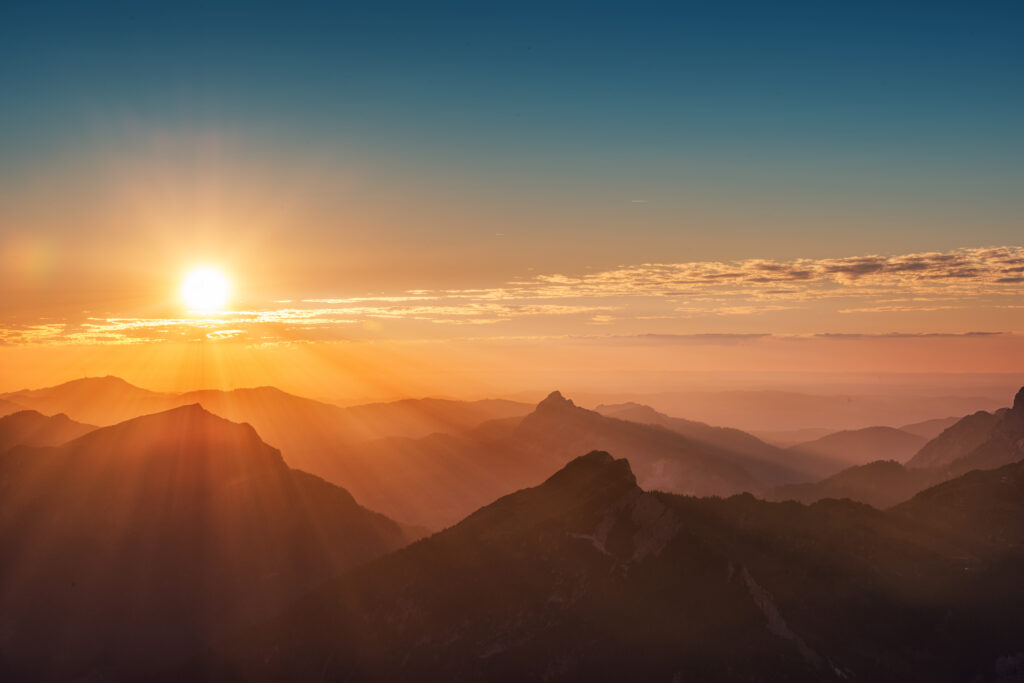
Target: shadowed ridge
x: 982, y: 508
x: 161, y: 533
x: 588, y: 573
x: 592, y: 480
x: 592, y: 467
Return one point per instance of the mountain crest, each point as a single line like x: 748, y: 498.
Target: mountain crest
x: 596, y: 466
x: 555, y: 401
x: 1018, y: 401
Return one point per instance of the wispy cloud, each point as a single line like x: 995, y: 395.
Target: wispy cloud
x: 627, y: 298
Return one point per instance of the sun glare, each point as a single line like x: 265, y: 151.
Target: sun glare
x: 205, y: 290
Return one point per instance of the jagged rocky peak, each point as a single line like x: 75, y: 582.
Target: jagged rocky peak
x: 1018, y: 401
x: 555, y: 401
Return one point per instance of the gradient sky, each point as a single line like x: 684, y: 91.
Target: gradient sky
x: 608, y: 174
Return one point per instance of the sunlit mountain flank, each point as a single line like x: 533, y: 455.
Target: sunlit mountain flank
x: 531, y: 341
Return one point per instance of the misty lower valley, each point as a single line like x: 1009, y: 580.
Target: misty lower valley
x: 254, y: 535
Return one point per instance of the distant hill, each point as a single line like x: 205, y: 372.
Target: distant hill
x: 8, y: 407
x: 94, y: 400
x: 880, y: 484
x: 930, y: 429
x: 861, y: 446
x: 759, y: 411
x: 791, y: 437
x: 30, y: 428
x: 724, y: 437
x: 131, y: 546
x: 588, y: 577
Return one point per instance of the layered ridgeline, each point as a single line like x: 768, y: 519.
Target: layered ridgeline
x: 30, y: 428
x: 437, y: 480
x: 979, y: 441
x: 821, y: 464
x: 127, y: 548
x: 431, y: 461
x: 286, y: 421
x: 861, y: 446
x: 589, y: 577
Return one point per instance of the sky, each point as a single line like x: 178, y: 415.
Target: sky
x: 476, y: 197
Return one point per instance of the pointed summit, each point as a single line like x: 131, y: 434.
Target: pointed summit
x: 1018, y: 401
x: 555, y: 401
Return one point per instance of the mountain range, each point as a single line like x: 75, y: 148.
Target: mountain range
x: 180, y: 545
x: 437, y: 480
x: 589, y: 577
x: 979, y: 441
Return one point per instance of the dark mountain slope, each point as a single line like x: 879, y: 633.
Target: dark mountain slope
x: 29, y: 428
x: 587, y: 577
x: 128, y: 547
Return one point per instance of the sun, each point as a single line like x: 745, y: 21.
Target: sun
x: 205, y: 290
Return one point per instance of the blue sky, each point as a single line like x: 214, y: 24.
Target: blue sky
x: 500, y: 141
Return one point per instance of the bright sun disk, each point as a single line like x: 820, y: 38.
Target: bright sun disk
x: 205, y: 290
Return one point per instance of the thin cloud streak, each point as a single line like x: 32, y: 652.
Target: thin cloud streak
x: 654, y: 295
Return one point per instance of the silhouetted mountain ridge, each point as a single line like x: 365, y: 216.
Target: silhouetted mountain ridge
x: 130, y: 546
x: 588, y: 577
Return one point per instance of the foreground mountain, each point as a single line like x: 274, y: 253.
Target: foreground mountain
x: 880, y: 484
x: 588, y: 577
x: 129, y: 547
x: 437, y: 480
x: 29, y: 428
x: 861, y: 446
